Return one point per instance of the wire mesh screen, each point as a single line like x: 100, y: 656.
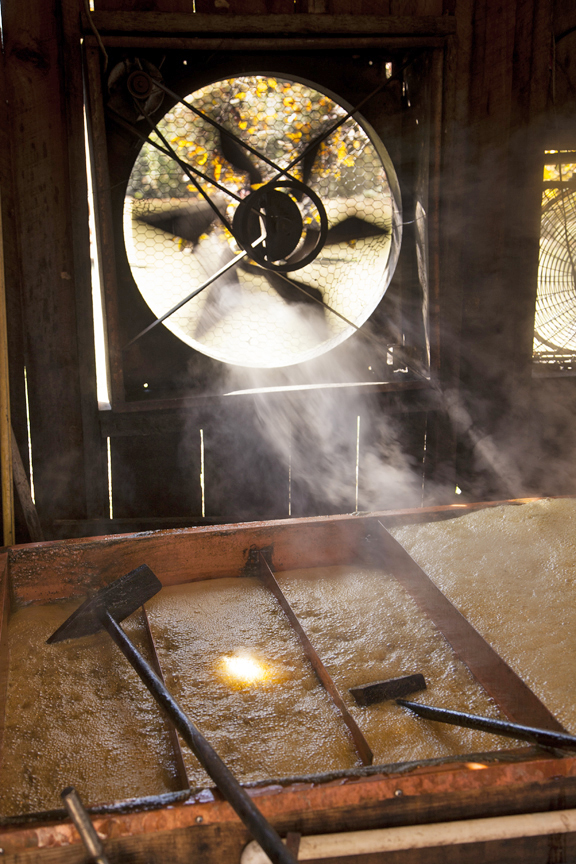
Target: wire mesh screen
x: 252, y: 316
x: 555, y: 318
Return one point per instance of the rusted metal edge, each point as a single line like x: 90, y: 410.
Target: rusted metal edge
x: 172, y: 734
x: 266, y: 575
x: 169, y: 799
x: 509, y: 691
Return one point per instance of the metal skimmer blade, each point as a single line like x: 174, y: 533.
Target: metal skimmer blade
x: 120, y: 599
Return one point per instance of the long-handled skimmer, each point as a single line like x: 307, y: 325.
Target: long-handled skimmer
x: 103, y: 612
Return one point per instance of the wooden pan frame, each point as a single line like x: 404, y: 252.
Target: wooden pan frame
x: 509, y: 782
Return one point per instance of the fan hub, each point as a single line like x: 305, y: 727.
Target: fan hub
x: 287, y: 244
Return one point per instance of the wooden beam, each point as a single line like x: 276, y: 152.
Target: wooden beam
x: 448, y: 276
x: 95, y: 468
x: 170, y: 419
x: 104, y: 226
x: 4, y: 652
x: 379, y: 391
x: 35, y: 88
x: 182, y: 23
x: 8, y: 531
x: 13, y: 282
x: 278, y: 43
x: 44, y: 572
x: 22, y: 487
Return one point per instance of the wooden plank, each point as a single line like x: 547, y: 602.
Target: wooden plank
x: 13, y: 283
x: 156, y: 476
x: 22, y: 487
x: 359, y: 7
x: 531, y: 82
x: 4, y: 650
x: 214, y: 846
x: 323, y: 454
x: 416, y: 397
x: 240, y: 7
x: 416, y: 7
x: 433, y: 196
x: 46, y: 571
x: 35, y: 86
x: 65, y: 529
x: 444, y: 297
x: 253, y: 43
x: 453, y: 201
x: 193, y: 401
x: 449, y: 791
x: 245, y: 476
x: 6, y: 473
x: 208, y: 844
x: 488, y: 298
x: 511, y: 694
x: 94, y: 448
x: 509, y: 82
x: 71, y: 568
x: 104, y: 226
x: 163, y: 22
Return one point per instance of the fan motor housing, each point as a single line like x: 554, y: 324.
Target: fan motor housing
x: 276, y: 215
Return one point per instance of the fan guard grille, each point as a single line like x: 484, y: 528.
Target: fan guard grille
x: 250, y: 317
x: 555, y: 319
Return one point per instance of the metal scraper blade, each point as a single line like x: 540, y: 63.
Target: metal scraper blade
x: 120, y: 599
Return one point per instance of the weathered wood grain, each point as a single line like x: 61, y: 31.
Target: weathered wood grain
x: 281, y: 43
x: 12, y: 277
x: 41, y: 171
x: 449, y: 277
x: 427, y: 795
x: 94, y: 447
x: 4, y: 651
x: 164, y: 22
x: 104, y: 229
x: 41, y: 572
x: 156, y: 475
x: 22, y: 487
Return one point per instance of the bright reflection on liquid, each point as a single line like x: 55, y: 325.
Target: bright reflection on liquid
x: 240, y: 670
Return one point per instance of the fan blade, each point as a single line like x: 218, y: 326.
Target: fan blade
x: 188, y: 222
x: 238, y: 158
x: 283, y: 287
x: 353, y: 228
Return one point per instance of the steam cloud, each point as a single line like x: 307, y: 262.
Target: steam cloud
x: 313, y: 429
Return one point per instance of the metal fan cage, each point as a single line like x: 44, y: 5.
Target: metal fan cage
x: 555, y: 314
x: 248, y: 317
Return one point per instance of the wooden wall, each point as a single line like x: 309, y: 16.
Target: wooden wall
x: 500, y: 73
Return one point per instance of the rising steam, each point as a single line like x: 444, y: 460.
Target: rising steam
x: 334, y: 460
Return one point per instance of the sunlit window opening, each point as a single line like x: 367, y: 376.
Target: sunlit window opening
x: 102, y: 382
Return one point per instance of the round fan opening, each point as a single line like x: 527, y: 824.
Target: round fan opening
x: 258, y: 314
x: 555, y: 320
